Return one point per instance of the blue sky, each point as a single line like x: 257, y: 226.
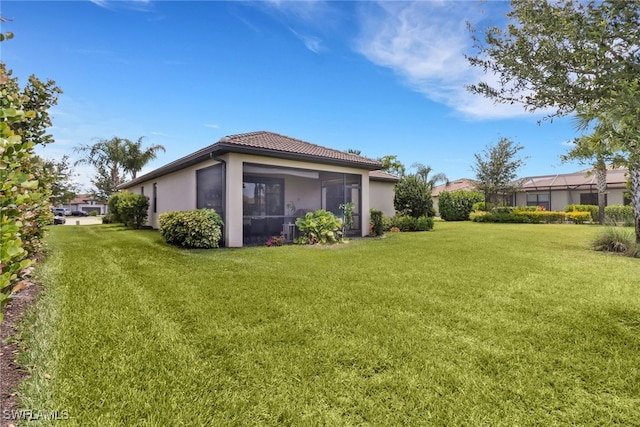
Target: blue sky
x: 381, y: 77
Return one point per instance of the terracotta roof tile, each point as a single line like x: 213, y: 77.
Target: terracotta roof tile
x: 275, y: 142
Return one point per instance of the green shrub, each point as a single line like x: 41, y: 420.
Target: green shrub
x: 108, y: 219
x: 200, y: 228
x: 618, y: 240
x: 320, y: 226
x: 413, y: 197
x: 133, y: 209
x: 539, y: 216
x: 592, y: 209
x: 377, y: 222
x: 93, y: 213
x: 501, y: 217
x: 579, y: 217
x: 479, y: 206
x: 619, y: 215
x: 409, y: 223
x: 457, y: 205
x: 113, y: 202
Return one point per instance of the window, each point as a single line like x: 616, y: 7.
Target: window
x: 539, y: 199
x: 155, y: 197
x: 262, y: 196
x: 210, y: 189
x: 591, y: 199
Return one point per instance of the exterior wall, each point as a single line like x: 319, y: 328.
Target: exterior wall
x: 175, y: 191
x: 381, y: 195
x: 87, y: 207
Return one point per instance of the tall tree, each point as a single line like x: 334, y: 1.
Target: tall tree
x: 137, y: 157
x: 496, y: 169
x: 598, y: 150
x: 113, y: 160
x: 423, y: 172
x: 569, y: 56
x: 392, y: 165
x: 108, y: 157
x: 60, y: 176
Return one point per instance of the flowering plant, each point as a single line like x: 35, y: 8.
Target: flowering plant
x: 275, y: 241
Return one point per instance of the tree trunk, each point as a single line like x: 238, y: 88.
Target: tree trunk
x: 601, y: 175
x: 634, y: 171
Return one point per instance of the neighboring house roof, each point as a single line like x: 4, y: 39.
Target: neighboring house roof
x: 616, y: 178
x: 383, y: 176
x: 81, y: 199
x: 267, y: 144
x: 458, y: 184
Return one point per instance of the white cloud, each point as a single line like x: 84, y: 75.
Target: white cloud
x: 212, y: 126
x: 313, y: 43
x: 159, y: 134
x: 424, y: 43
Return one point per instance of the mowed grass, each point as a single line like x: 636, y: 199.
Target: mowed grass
x: 470, y: 324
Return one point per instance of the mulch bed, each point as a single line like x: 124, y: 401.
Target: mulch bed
x: 11, y: 373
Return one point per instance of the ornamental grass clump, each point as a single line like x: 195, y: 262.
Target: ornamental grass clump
x: 618, y: 240
x: 200, y: 228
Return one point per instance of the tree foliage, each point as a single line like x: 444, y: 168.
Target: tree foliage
x: 413, y: 197
x: 392, y: 165
x: 60, y: 176
x: 113, y: 159
x: 457, y: 205
x: 496, y: 169
x: 423, y: 173
x: 570, y: 57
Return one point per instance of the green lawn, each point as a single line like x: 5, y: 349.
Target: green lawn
x: 470, y: 324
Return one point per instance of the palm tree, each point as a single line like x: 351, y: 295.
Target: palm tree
x: 422, y: 172
x: 107, y: 156
x: 136, y: 157
x: 596, y: 149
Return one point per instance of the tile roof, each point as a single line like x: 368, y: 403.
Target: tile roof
x: 458, y: 184
x: 383, y: 176
x: 267, y: 144
x: 274, y: 142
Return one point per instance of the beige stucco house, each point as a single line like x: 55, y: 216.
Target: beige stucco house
x: 260, y: 182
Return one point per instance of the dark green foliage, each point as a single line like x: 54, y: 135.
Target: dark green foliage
x: 496, y: 169
x: 113, y: 202
x: 413, y: 197
x: 133, y: 209
x: 377, y: 222
x: 108, y: 219
x: 592, y: 209
x: 200, y: 228
x: 93, y: 213
x: 619, y: 214
x: 457, y: 205
x: 129, y: 209
x: 502, y: 217
x: 479, y: 206
x: 320, y: 226
x: 409, y: 223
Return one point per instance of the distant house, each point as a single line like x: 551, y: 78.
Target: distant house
x: 554, y: 192
x: 87, y: 203
x: 260, y: 182
x: 458, y: 184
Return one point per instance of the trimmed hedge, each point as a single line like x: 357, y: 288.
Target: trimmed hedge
x: 457, y: 205
x: 592, y: 209
x: 532, y: 217
x: 200, y: 228
x: 409, y: 223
